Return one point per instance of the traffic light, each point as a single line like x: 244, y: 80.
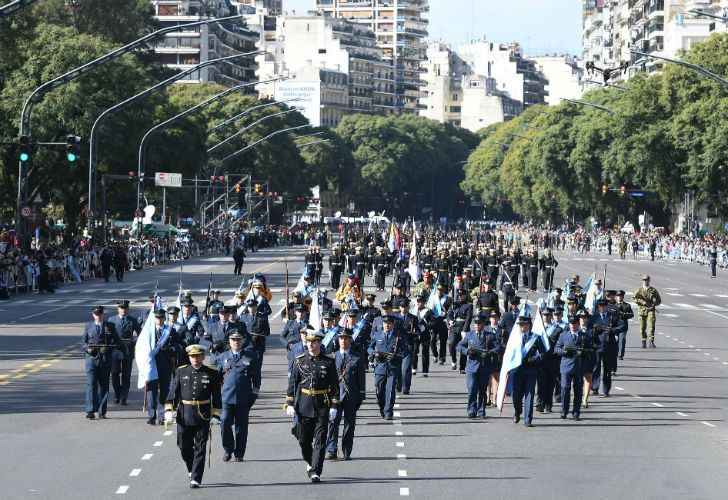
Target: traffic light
x: 132, y: 175
x: 237, y: 188
x: 24, y: 148
x: 73, y: 148
x: 221, y: 179
x: 604, y: 189
x: 257, y: 188
x: 623, y: 190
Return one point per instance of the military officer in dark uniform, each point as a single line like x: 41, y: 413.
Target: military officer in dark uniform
x: 486, y: 300
x: 480, y: 348
x: 575, y: 347
x: 409, y: 324
x: 99, y: 341
x: 216, y: 339
x: 239, y: 259
x: 423, y: 336
x: 195, y: 399
x: 626, y: 314
x: 380, y: 263
x: 606, y: 330
x: 240, y: 388
x: 547, y: 264
x: 123, y: 358
x: 509, y: 282
x: 386, y: 350
x: 361, y: 331
x: 216, y: 304
x: 350, y: 369
x: 313, y: 398
x: 336, y: 266
x: 511, y: 315
x: 166, y: 348
x: 369, y: 311
x: 257, y: 326
x: 524, y: 377
x: 291, y: 333
x: 442, y: 268
x: 459, y: 317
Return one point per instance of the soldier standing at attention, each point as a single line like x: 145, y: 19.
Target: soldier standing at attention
x: 313, y: 398
x: 196, y: 397
x: 647, y: 299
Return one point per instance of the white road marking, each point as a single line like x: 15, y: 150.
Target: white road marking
x: 660, y: 333
x: 399, y: 433
x: 710, y: 306
x: 697, y: 295
x: 636, y: 396
x: 670, y: 315
x: 396, y: 405
x: 685, y: 306
x: 722, y: 296
x: 22, y: 301
x: 681, y: 414
x: 44, y: 312
x: 158, y: 443
x: 682, y: 342
x: 674, y: 294
x: 397, y: 414
x: 400, y: 444
x: 667, y: 336
x: 618, y: 388
x: 135, y: 472
x: 397, y: 422
x: 402, y: 473
x: 725, y: 362
x: 122, y: 490
x: 168, y: 433
x: 658, y: 405
x: 401, y: 456
x: 698, y: 349
x: 716, y: 359
x: 404, y: 492
x: 75, y: 301
x: 707, y: 423
x: 148, y: 456
x: 689, y: 345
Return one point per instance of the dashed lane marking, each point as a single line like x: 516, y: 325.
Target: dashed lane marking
x: 404, y: 492
x: 681, y: 414
x: 399, y: 433
x: 122, y: 489
x: 148, y: 456
x: 400, y: 444
x: 135, y: 472
x: 658, y: 405
x: 168, y: 433
x: 402, y: 473
x: 401, y: 456
x: 707, y: 423
x: 158, y: 443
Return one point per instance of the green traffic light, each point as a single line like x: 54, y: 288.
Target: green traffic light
x: 71, y: 157
x: 24, y: 156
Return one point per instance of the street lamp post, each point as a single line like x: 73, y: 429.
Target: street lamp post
x: 686, y: 64
x: 241, y: 131
x: 590, y: 105
x: 93, y: 140
x: 8, y: 9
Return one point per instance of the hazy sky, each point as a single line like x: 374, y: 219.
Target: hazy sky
x: 540, y: 26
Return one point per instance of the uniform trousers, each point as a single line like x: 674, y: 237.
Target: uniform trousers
x: 234, y: 429
x: 311, y: 433
x: 192, y: 442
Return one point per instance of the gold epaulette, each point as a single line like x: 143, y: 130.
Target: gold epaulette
x: 300, y: 355
x: 183, y: 366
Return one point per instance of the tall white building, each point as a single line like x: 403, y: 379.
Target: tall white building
x: 564, y: 77
x: 400, y: 28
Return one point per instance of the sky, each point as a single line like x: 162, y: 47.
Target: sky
x: 540, y: 26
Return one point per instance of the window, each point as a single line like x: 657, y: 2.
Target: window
x: 454, y: 109
x: 321, y: 51
x: 455, y: 97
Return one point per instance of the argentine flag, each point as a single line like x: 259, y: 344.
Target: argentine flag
x: 144, y: 349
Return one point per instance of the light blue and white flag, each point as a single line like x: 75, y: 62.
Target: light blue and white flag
x: 144, y: 349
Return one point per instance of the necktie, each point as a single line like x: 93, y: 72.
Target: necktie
x: 602, y: 316
x: 236, y: 356
x: 575, y: 335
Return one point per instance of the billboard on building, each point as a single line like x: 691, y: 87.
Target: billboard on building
x: 308, y: 95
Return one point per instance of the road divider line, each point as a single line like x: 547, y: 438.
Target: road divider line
x: 400, y: 444
x: 122, y: 489
x: 398, y: 433
x: 135, y: 472
x: 681, y: 414
x: 401, y: 456
x: 148, y: 456
x: 658, y: 405
x: 402, y: 473
x: 404, y: 492
x: 707, y: 423
x: 158, y: 443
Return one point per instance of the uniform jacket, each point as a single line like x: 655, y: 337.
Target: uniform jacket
x: 313, y: 385
x: 240, y: 378
x: 102, y: 334
x: 126, y: 329
x: 391, y: 342
x: 196, y: 395
x: 258, y: 325
x: 485, y: 340
x: 571, y: 362
x: 352, y: 381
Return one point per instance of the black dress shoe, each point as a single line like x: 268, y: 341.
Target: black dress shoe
x: 595, y: 392
x: 102, y: 416
x: 528, y: 424
x: 381, y: 412
x: 605, y: 395
x: 621, y: 358
x: 226, y: 457
x: 547, y: 410
x: 117, y: 401
x: 576, y: 417
x: 563, y: 416
x: 482, y: 417
x: 194, y: 484
x: 462, y: 372
x: 389, y: 417
x: 644, y: 344
x: 123, y: 402
x: 152, y: 421
x: 516, y: 419
x: 405, y: 391
x: 472, y: 416
x: 347, y: 457
x: 652, y: 344
x: 90, y: 415
x: 488, y: 403
x: 239, y: 459
x: 332, y: 455
x: 539, y: 409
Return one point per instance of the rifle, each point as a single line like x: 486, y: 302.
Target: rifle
x: 483, y: 353
x: 388, y: 356
x: 644, y: 301
x: 207, y: 301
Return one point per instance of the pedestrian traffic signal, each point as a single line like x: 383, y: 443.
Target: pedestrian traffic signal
x: 623, y: 190
x: 73, y: 148
x: 604, y: 189
x: 24, y: 148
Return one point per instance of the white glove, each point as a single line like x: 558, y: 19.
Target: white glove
x: 168, y: 417
x: 214, y: 421
x: 332, y: 413
x: 290, y: 411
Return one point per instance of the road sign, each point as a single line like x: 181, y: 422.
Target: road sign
x: 25, y: 211
x: 637, y: 194
x: 168, y: 179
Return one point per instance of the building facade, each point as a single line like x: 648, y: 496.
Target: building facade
x: 400, y: 29
x: 188, y: 47
x: 564, y: 77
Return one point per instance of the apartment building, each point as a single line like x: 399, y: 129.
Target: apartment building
x: 400, y: 28
x: 564, y: 77
x: 188, y: 47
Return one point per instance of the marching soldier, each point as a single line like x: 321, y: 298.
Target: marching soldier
x: 439, y: 325
x: 442, y: 268
x: 427, y: 260
x: 368, y: 310
x: 255, y: 323
x: 492, y: 262
x: 524, y: 377
x: 423, y: 336
x: 336, y: 266
x: 575, y: 348
x: 549, y: 372
x: 480, y: 348
x: 626, y: 314
x: 501, y: 335
x: 99, y: 341
x: 288, y: 311
x: 379, y: 263
x: 486, y: 300
x: 291, y: 333
x: 215, y: 303
x: 313, y: 398
x: 459, y: 317
x: 606, y: 329
x: 310, y: 261
x: 123, y: 357
x: 361, y: 331
x: 386, y: 350
x: 360, y: 263
x: 350, y: 369
x: 166, y: 346
x: 239, y: 259
x: 189, y: 326
x: 508, y: 283
x: 240, y: 387
x: 195, y: 401
x: 548, y: 265
x: 409, y: 324
x: 532, y: 264
x: 647, y: 299
x: 216, y: 339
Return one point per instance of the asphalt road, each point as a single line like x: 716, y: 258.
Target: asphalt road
x: 662, y: 434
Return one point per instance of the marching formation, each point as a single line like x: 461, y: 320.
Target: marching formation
x: 494, y: 312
